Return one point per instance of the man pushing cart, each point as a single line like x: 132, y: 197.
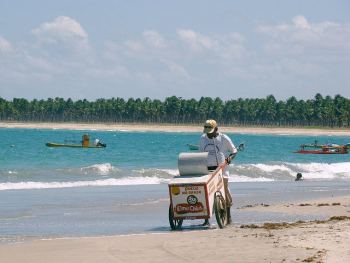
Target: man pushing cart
x: 202, y: 187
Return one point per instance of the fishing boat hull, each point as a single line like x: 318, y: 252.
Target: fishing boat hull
x: 342, y: 151
x: 51, y: 144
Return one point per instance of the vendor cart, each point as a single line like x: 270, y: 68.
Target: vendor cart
x: 197, y: 193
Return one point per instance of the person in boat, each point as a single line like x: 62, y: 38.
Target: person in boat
x: 86, y: 141
x: 220, y: 150
x: 98, y: 143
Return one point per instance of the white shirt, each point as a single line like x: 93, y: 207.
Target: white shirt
x: 218, y: 148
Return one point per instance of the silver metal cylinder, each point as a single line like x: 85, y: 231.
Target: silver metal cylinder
x: 193, y: 163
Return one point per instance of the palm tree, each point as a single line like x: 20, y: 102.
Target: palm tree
x: 268, y: 111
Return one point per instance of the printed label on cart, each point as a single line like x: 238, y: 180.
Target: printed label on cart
x: 189, y: 200
x: 188, y: 208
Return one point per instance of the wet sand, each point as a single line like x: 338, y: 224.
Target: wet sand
x: 312, y: 241
x: 174, y: 128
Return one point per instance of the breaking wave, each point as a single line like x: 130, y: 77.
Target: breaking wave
x: 105, y: 182
x: 108, y: 175
x: 286, y: 171
x: 101, y: 169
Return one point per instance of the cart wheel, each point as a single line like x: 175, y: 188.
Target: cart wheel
x: 174, y: 223
x: 220, y: 210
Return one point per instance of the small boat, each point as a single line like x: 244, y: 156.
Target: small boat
x: 52, y: 144
x: 330, y: 145
x: 193, y: 147
x: 325, y: 150
x: 85, y: 143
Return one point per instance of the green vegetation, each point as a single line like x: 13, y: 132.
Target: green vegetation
x: 319, y: 111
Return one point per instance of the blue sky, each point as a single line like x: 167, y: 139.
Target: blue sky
x: 228, y: 49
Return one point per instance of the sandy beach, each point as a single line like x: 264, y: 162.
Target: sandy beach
x: 174, y: 128
x: 311, y: 241
x: 323, y: 237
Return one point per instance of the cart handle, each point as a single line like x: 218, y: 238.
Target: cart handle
x: 230, y: 158
x: 241, y: 147
x: 233, y: 155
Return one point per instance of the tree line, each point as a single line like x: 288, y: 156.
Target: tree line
x: 319, y: 111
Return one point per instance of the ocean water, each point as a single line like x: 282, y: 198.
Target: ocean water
x: 123, y: 188
x: 134, y: 158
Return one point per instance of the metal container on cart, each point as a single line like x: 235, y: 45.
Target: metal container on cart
x: 196, y: 193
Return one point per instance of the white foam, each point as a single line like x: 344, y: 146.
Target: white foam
x: 271, y: 167
x: 283, y: 171
x: 163, y: 173
x: 106, y: 182
x: 261, y: 172
x: 173, y: 172
x: 101, y: 169
x: 324, y: 170
x: 324, y: 167
x: 242, y: 178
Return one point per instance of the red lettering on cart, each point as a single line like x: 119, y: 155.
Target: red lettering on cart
x: 187, y: 188
x: 193, y: 192
x: 187, y: 208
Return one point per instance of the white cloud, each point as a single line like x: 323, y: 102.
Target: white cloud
x: 41, y: 64
x: 287, y: 67
x: 63, y: 30
x: 196, y: 41
x: 299, y: 50
x: 154, y: 39
x: 176, y: 70
x: 229, y: 46
x: 145, y: 76
x: 302, y: 36
x: 5, y: 46
x: 134, y: 46
x: 301, y: 22
x: 116, y: 71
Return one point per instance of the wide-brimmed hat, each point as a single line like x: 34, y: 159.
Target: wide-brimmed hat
x: 209, y: 126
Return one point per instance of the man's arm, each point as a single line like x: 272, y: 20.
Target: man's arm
x: 230, y: 147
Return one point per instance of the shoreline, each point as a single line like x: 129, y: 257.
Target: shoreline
x: 311, y: 241
x: 173, y: 128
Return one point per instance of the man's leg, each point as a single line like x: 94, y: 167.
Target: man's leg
x: 228, y: 199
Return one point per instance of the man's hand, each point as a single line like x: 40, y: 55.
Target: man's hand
x: 230, y: 157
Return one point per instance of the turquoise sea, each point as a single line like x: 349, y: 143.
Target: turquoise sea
x: 119, y: 189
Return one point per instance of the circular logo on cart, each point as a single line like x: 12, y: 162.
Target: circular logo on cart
x: 175, y: 190
x: 192, y: 200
